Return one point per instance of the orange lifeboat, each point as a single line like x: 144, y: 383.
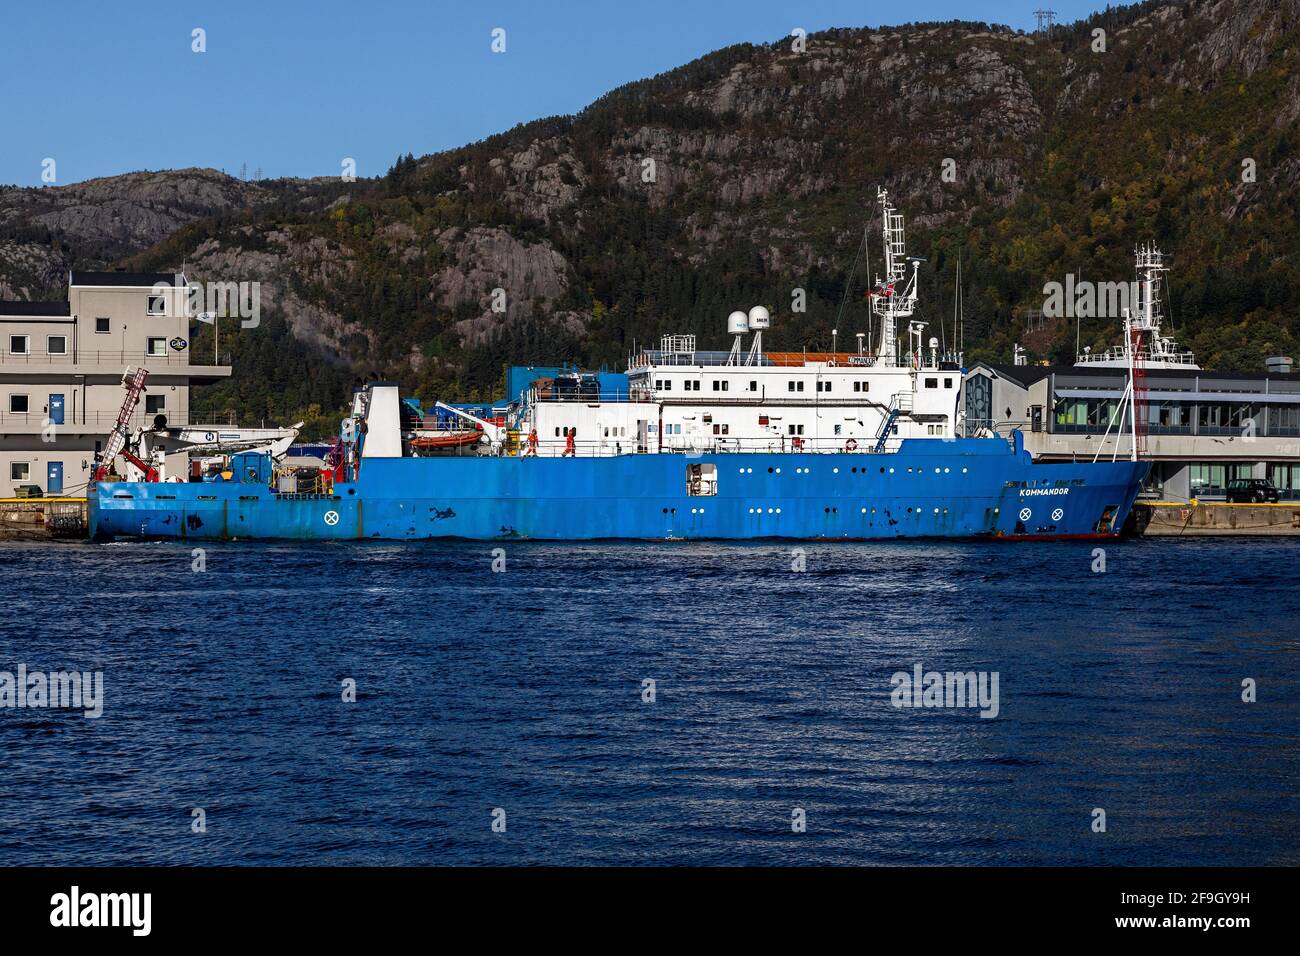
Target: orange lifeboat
x: 447, y: 439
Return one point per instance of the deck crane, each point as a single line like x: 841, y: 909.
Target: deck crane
x: 133, y: 381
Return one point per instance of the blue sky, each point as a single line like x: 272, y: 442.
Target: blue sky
x: 293, y: 88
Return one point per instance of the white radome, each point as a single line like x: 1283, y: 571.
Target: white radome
x: 759, y: 318
x: 737, y: 323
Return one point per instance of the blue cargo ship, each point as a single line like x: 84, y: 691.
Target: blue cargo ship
x: 685, y: 444
x: 926, y: 488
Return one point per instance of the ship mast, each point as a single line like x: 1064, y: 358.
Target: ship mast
x: 894, y: 296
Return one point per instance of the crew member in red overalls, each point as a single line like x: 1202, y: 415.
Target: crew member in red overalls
x: 532, y: 443
x: 569, y: 451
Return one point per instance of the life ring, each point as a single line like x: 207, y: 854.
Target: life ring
x: 851, y: 445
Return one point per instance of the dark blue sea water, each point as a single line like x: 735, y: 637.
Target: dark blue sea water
x: 522, y: 691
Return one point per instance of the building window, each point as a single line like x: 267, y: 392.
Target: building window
x: 19, y: 471
x: 931, y: 383
x: 789, y: 386
x: 947, y: 383
x: 157, y: 346
x: 157, y: 305
x: 796, y: 429
x: 153, y: 404
x: 753, y: 385
x: 18, y: 404
x: 18, y: 344
x: 57, y: 344
x: 101, y: 325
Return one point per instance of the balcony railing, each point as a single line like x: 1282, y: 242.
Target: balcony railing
x: 93, y: 421
x: 122, y: 357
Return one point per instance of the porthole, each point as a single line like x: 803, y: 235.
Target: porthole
x: 835, y: 471
x: 769, y: 470
x: 891, y: 471
x: 778, y: 510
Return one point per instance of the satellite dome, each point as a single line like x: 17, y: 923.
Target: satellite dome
x: 737, y: 323
x: 759, y: 318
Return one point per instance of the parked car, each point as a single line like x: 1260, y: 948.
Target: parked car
x: 1251, y: 491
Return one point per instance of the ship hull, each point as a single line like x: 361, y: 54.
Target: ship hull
x: 927, y: 489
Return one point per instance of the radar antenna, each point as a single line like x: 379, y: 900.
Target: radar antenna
x: 894, y: 296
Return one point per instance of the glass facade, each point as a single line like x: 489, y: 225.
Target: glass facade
x: 1172, y: 417
x: 1085, y: 414
x: 1210, y: 479
x: 1286, y: 478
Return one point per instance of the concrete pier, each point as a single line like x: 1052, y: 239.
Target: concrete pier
x: 1173, y: 518
x: 42, y: 518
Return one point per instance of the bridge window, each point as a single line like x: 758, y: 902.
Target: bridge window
x: 931, y: 383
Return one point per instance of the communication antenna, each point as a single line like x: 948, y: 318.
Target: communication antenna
x: 737, y: 325
x: 894, y: 296
x: 759, y: 319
